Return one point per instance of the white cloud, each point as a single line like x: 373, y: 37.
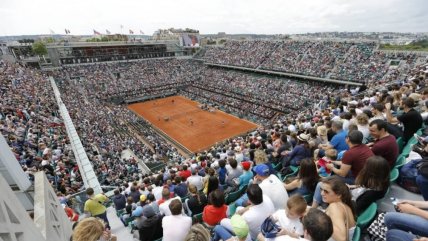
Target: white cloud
x: 236, y: 16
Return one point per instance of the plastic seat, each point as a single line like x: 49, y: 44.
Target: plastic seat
x: 278, y: 166
x: 120, y: 212
x: 393, y: 175
x: 231, y: 197
x: 400, y: 144
x: 367, y: 216
x: 197, y: 218
x: 401, y: 160
x: 232, y: 209
x: 308, y: 198
x: 294, y: 173
x: 357, y: 234
x: 406, y: 150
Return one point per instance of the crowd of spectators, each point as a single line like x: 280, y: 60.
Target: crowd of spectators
x: 32, y: 127
x: 357, y: 134
x: 357, y: 62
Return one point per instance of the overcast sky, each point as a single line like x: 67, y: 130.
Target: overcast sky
x: 19, y: 17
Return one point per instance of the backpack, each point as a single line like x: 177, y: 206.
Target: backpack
x: 407, y: 177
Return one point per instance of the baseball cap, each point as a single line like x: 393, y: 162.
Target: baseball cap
x: 148, y: 211
x: 246, y: 165
x: 239, y: 226
x: 261, y: 170
x: 143, y: 198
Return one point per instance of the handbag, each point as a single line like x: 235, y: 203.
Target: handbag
x: 269, y: 228
x: 377, y: 230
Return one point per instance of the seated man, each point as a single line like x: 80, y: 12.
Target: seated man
x: 338, y: 141
x: 260, y: 208
x: 353, y: 160
x: 385, y: 145
x: 176, y: 226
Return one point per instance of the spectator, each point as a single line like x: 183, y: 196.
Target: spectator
x: 195, y: 180
x: 94, y: 206
x: 306, y: 180
x: 215, y: 211
x: 164, y: 208
x: 353, y: 160
x: 92, y: 229
x: 411, y: 119
x: 175, y: 226
x: 119, y: 200
x: 197, y: 201
x: 411, y: 220
x: 385, y: 145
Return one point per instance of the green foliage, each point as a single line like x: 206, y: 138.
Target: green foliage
x: 421, y: 45
x: 39, y: 48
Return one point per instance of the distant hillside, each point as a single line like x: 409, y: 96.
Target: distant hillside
x: 421, y: 45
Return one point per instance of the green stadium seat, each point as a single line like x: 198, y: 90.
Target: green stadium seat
x: 294, y: 173
x: 367, y: 216
x: 232, y: 209
x: 197, y: 218
x: 278, y: 166
x: 401, y: 159
x: 231, y: 197
x: 393, y: 175
x: 400, y: 144
x: 308, y: 198
x: 357, y: 234
x: 420, y: 131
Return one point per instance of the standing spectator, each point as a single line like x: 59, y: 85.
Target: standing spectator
x: 411, y: 119
x: 119, y: 200
x: 95, y: 205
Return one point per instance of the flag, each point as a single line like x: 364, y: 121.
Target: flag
x: 131, y: 32
x: 141, y: 32
x: 107, y: 32
x: 96, y: 32
x: 51, y: 31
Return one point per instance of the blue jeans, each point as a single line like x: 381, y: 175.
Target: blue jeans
x: 398, y: 235
x: 407, y: 222
x: 317, y: 194
x: 103, y: 216
x: 242, y: 201
x: 221, y: 232
x: 422, y: 183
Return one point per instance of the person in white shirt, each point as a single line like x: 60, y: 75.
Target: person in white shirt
x: 196, y: 180
x: 164, y: 207
x: 176, y: 226
x: 271, y: 186
x: 289, y: 218
x: 260, y: 208
x: 316, y: 226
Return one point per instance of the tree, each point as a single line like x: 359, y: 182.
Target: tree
x: 39, y: 48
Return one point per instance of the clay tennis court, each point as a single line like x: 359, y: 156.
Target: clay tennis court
x: 207, y: 127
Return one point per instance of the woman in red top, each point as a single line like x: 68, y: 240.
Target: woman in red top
x: 216, y: 210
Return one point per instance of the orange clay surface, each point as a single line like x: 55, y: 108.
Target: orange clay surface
x: 206, y: 130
